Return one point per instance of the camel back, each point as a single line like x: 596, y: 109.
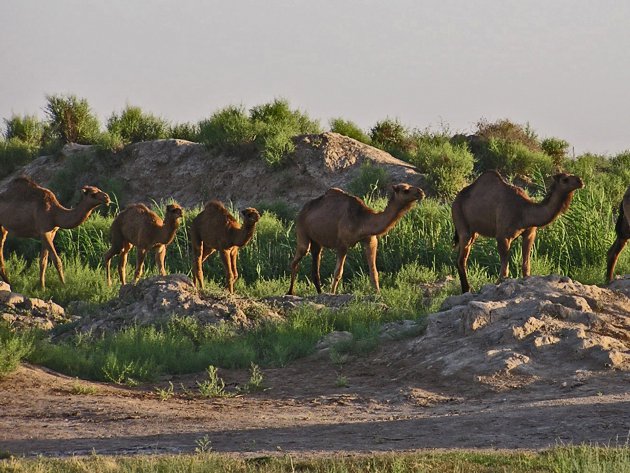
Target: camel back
x: 23, y: 188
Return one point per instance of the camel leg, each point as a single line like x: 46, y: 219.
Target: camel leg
x: 160, y: 255
x: 226, y: 258
x: 47, y: 242
x: 303, y: 245
x: 528, y: 237
x: 316, y: 253
x: 613, y: 256
x: 109, y: 254
x: 43, y: 264
x: 197, y: 265
x: 122, y: 262
x: 503, y: 244
x: 369, y: 250
x: 234, y: 258
x: 341, y: 260
x: 465, y: 244
x: 141, y: 253
x: 3, y: 237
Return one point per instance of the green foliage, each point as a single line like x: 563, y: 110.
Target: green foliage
x: 371, y: 179
x: 213, y: 386
x: 349, y: 129
x: 509, y: 131
x: 13, y: 154
x: 556, y: 148
x: 133, y: 125
x: 392, y: 136
x: 227, y: 129
x: 448, y: 166
x: 513, y: 158
x: 71, y: 120
x: 14, y: 347
x: 185, y: 131
x: 27, y: 129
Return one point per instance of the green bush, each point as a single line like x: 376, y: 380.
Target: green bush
x: 371, y: 179
x: 28, y: 129
x: 70, y: 120
x: 14, y: 346
x: 557, y: 149
x: 227, y: 130
x: 349, y: 129
x: 448, y: 167
x: 393, y: 137
x: 513, y: 158
x: 185, y: 131
x: 133, y: 125
x: 13, y: 154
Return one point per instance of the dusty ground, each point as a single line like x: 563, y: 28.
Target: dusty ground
x: 385, y: 407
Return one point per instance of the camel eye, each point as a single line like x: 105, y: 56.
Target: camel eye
x: 565, y: 179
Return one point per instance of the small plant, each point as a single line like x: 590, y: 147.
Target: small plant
x: 255, y: 382
x: 83, y: 389
x: 371, y: 179
x: 133, y: 125
x: 70, y: 120
x: 204, y: 444
x: 342, y: 381
x: 14, y: 347
x: 214, y: 386
x: 349, y: 129
x: 166, y: 394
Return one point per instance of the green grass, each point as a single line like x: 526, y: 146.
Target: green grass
x: 578, y: 459
x: 14, y: 347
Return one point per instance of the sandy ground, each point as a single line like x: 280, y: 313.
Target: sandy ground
x: 386, y: 406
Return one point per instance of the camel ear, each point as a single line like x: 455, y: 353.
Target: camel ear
x: 556, y: 177
x: 85, y: 190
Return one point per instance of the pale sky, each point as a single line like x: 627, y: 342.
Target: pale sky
x: 561, y: 65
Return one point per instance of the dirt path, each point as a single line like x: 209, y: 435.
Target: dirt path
x: 385, y: 407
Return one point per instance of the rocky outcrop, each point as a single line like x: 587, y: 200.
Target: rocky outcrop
x: 27, y: 312
x: 191, y: 174
x: 527, y: 329
x: 156, y: 300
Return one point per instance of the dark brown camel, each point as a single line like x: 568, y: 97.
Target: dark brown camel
x: 215, y: 229
x: 139, y: 226
x: 28, y: 210
x: 339, y: 220
x: 494, y: 208
x: 622, y: 229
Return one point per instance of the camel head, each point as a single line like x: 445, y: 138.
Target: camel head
x: 404, y: 193
x: 250, y: 215
x: 174, y: 212
x: 95, y: 194
x: 566, y: 183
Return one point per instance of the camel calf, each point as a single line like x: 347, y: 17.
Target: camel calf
x: 138, y: 226
x: 494, y: 208
x: 622, y: 229
x: 215, y: 229
x: 339, y: 220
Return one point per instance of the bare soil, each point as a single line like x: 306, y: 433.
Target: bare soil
x: 386, y: 406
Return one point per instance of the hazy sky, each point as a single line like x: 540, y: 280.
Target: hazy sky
x: 561, y: 65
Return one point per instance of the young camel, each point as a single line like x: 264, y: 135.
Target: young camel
x: 494, y: 208
x: 138, y: 226
x: 622, y: 229
x: 339, y: 220
x: 215, y: 229
x: 30, y: 211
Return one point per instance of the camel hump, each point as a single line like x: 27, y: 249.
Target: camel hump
x: 24, y: 188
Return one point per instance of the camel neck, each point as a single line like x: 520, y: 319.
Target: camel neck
x: 168, y: 230
x: 380, y: 223
x: 244, y: 234
x: 71, y: 218
x: 545, y: 212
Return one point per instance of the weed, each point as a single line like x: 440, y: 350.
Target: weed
x: 204, y: 444
x: 214, y: 386
x: 165, y: 394
x: 83, y: 389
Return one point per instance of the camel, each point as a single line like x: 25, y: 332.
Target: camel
x: 339, y: 220
x: 28, y: 210
x: 215, y: 229
x: 622, y: 229
x: 139, y: 226
x: 494, y: 208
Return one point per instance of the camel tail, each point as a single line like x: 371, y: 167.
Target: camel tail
x: 620, y: 219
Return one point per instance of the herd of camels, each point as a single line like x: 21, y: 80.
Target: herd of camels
x: 490, y: 207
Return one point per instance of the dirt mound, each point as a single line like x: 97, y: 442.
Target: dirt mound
x: 191, y: 174
x: 155, y: 300
x: 525, y: 330
x: 26, y: 312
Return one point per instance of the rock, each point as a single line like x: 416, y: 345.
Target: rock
x: 24, y: 312
x: 532, y: 328
x: 333, y: 339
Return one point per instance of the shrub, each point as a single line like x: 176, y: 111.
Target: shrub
x: 227, y: 129
x: 508, y: 131
x: 448, y: 167
x: 185, y: 131
x: 133, y: 125
x: 514, y: 158
x: 14, y: 347
x: 28, y: 129
x: 557, y: 149
x: 70, y: 120
x: 13, y: 154
x: 393, y: 137
x: 371, y: 178
x: 349, y: 129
